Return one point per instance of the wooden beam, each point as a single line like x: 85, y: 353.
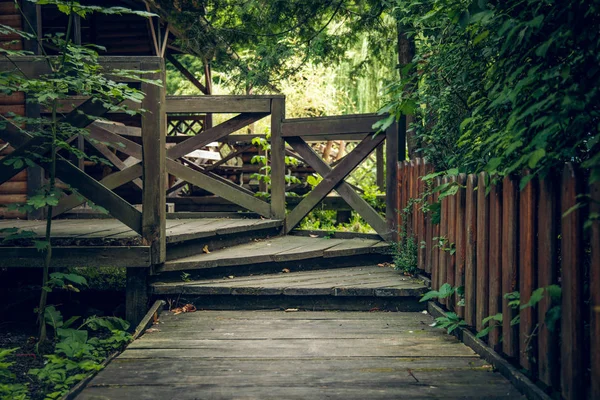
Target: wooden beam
x: 40, y: 145
x: 332, y: 180
x: 391, y: 180
x: 115, y: 161
x: 219, y: 104
x: 277, y: 159
x: 219, y: 188
x: 214, y: 134
x: 77, y: 256
x: 154, y: 133
x: 99, y: 194
x: 187, y: 74
x: 336, y: 125
x: 344, y: 189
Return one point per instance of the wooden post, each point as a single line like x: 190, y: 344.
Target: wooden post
x: 572, y: 274
x: 527, y: 274
x: 154, y: 214
x: 154, y: 158
x: 379, y: 168
x: 391, y: 198
x: 471, y: 250
x: 495, y: 262
x: 277, y: 159
x: 510, y: 264
x: 548, y: 220
x: 595, y: 295
x: 482, y: 251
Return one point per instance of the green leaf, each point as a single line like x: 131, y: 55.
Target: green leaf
x: 535, y: 157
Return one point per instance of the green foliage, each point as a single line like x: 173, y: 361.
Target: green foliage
x: 446, y: 290
x: 404, y: 255
x: 450, y: 322
x: 502, y: 86
x: 9, y: 389
x: 105, y: 279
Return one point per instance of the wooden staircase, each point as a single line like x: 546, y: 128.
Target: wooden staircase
x: 287, y: 272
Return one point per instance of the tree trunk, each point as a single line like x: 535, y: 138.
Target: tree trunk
x: 406, y: 52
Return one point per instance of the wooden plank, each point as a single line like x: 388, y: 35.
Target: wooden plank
x: 310, y: 250
x: 572, y: 281
x: 214, y: 134
x: 332, y: 180
x: 422, y: 219
x: 218, y: 188
x: 99, y: 194
x: 595, y: 294
x: 416, y: 186
x: 154, y: 206
x: 77, y: 256
x: 443, y: 257
x: 495, y: 262
x: 114, y: 160
x: 106, y: 134
x: 219, y: 104
x: 548, y: 221
x: 351, y: 247
x: 278, y: 167
x: 459, y: 240
x: 451, y: 258
x: 399, y: 207
x: 527, y: 271
x: 345, y: 190
x: 435, y: 257
x: 429, y: 230
x: 136, y: 294
x: 391, y: 180
x: 510, y: 266
x: 482, y: 273
x: 471, y: 250
x: 331, y: 126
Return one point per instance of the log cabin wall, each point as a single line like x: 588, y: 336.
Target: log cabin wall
x: 15, y: 190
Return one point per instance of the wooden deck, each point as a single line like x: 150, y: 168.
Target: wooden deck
x: 297, y: 355
x: 110, y: 243
x: 111, y: 232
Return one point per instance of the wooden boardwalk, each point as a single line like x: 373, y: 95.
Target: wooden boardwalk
x: 297, y: 355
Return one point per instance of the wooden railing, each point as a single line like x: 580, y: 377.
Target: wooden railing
x: 507, y: 240
x: 297, y: 132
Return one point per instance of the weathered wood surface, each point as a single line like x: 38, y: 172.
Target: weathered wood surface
x: 219, y: 104
x: 277, y: 355
x: 280, y: 249
x: 354, y: 281
x: 110, y: 232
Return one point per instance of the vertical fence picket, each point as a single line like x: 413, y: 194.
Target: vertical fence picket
x: 495, y: 261
x: 411, y: 195
x: 428, y: 229
x: 459, y: 240
x: 572, y: 347
x: 421, y: 216
x: 443, y: 263
x: 451, y: 235
x: 482, y: 251
x: 471, y: 250
x: 399, y: 217
x: 527, y: 278
x: 595, y: 294
x: 548, y: 221
x: 510, y: 271
x: 435, y: 251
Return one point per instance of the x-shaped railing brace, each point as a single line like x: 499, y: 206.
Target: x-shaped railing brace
x: 197, y: 176
x: 67, y: 172
x: 333, y: 179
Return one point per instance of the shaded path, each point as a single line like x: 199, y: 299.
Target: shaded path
x: 298, y: 355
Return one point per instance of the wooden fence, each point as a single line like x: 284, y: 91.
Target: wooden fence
x: 497, y: 239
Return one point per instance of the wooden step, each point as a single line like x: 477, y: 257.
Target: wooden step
x: 354, y: 288
x: 280, y: 250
